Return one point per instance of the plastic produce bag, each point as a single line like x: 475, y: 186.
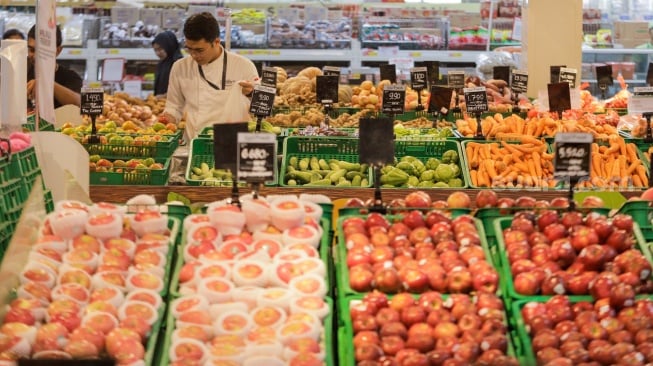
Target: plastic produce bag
x: 486, y: 62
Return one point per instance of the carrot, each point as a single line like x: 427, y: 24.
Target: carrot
x: 623, y: 165
x: 631, y: 153
x: 597, y: 163
x: 622, y: 145
x: 633, y: 166
x: 637, y: 182
x: 538, y: 164
x: 489, y: 168
x: 641, y: 171
x: 531, y: 168
x: 473, y: 176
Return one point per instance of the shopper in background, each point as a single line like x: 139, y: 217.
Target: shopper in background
x: 648, y: 44
x: 202, y: 84
x: 166, y: 47
x: 14, y: 34
x: 67, y: 84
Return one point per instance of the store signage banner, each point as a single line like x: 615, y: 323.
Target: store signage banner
x: 45, y: 60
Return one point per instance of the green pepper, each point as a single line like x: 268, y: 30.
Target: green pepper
x: 394, y: 177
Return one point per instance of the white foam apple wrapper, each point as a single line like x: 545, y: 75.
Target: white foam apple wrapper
x: 110, y: 229
x: 36, y: 268
x: 117, y: 297
x: 264, y: 234
x: 144, y: 280
x: 194, y: 219
x: 309, y: 284
x: 58, y: 293
x: 126, y: 245
x: 185, y: 342
x: 315, y: 198
x: 275, y: 296
x: 36, y: 256
x: 309, y: 250
x: 311, y: 305
x: 21, y: 347
x: 160, y: 246
x: 155, y: 224
x: 70, y: 205
x: 207, y: 328
x: 104, y: 314
x: 144, y: 309
x: 100, y: 207
x: 250, y: 273
x: 216, y: 310
x: 290, y: 331
x: 227, y: 221
x: 248, y: 295
x: 140, y: 202
x: 281, y: 313
x: 263, y: 360
x: 99, y: 280
x: 190, y: 234
x: 211, y: 270
x: 284, y: 217
x: 151, y: 297
x: 243, y: 318
x: 272, y: 349
x: 313, y: 210
x: 303, y: 234
x: 28, y: 333
x: 59, y: 246
x: 68, y: 223
x: 189, y: 302
x: 90, y: 263
x: 257, y: 214
x: 216, y: 290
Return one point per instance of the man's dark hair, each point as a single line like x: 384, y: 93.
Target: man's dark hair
x: 202, y: 26
x: 32, y: 34
x: 13, y: 32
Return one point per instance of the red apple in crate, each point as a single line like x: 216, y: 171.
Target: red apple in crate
x: 376, y: 219
x: 623, y: 222
x: 582, y: 236
x: 526, y: 283
x: 387, y: 280
x: 459, y: 200
x: 622, y: 295
x: 418, y: 199
x: 592, y: 202
x: 555, y: 231
x: 571, y: 218
x: 486, y: 198
x: 394, y: 329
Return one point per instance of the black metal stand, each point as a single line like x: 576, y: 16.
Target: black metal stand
x: 419, y: 107
x: 378, y: 205
x: 256, y: 186
x: 259, y: 120
x: 93, y: 139
x: 328, y: 108
x: 572, y: 203
x: 603, y: 88
x: 649, y: 135
x: 479, y: 128
x: 235, y: 200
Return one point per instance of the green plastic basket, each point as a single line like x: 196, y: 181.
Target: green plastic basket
x: 338, y: 148
x: 49, y: 201
x: 14, y: 195
x: 27, y: 160
x: 131, y: 176
x: 344, y: 290
x: 425, y: 149
x: 207, y: 133
x: 642, y: 214
x: 161, y: 149
x: 505, y: 276
x: 30, y: 125
x: 346, y: 349
x: 201, y: 151
x: 6, y: 234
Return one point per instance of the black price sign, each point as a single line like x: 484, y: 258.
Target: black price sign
x: 269, y: 77
x: 559, y: 97
x: 572, y: 155
x: 256, y: 158
x: 225, y: 137
x: 501, y: 73
x: 555, y: 73
x: 568, y: 75
x: 418, y: 78
x: 376, y: 141
x: 331, y: 71
x: 456, y: 79
x: 326, y: 89
x: 519, y: 81
x: 433, y: 71
x: 92, y: 101
x: 389, y: 72
x: 643, y: 90
x: 649, y: 74
x: 262, y: 100
x: 476, y: 99
x: 393, y: 99
x: 604, y: 75
x: 440, y: 100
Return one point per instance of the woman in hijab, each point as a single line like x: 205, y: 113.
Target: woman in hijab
x: 166, y: 47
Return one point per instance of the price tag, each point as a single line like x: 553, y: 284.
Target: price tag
x: 456, y: 79
x: 519, y: 81
x: 476, y: 99
x: 256, y: 158
x: 604, y: 75
x: 269, y: 77
x: 568, y: 75
x: 389, y: 72
x: 92, y: 101
x: 393, y: 99
x: 262, y: 100
x: 501, y: 73
x: 643, y: 90
x: 649, y: 74
x: 225, y: 144
x: 640, y: 103
x: 326, y: 89
x: 331, y: 71
x: 433, y: 72
x: 555, y: 73
x: 572, y: 155
x: 376, y: 143
x: 440, y: 100
x: 559, y: 97
x: 418, y: 78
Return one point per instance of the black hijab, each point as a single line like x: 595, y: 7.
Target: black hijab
x: 167, y: 40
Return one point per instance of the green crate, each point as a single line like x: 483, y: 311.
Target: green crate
x: 27, y: 160
x: 346, y: 349
x: 432, y: 149
x: 14, y: 194
x: 642, y: 214
x: 343, y: 288
x: 131, y: 176
x: 324, y: 250
x: 505, y: 275
x: 30, y: 125
x: 161, y: 149
x: 332, y: 132
x: 328, y: 340
x: 201, y: 151
x: 6, y: 234
x: 339, y: 148
x: 49, y: 201
x: 207, y: 133
x: 9, y: 168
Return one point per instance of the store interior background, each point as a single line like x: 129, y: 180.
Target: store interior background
x: 356, y: 35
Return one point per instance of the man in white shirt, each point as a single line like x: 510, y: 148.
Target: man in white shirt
x: 203, y: 84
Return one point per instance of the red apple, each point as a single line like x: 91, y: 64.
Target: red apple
x: 419, y: 199
x: 459, y: 199
x: 486, y: 198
